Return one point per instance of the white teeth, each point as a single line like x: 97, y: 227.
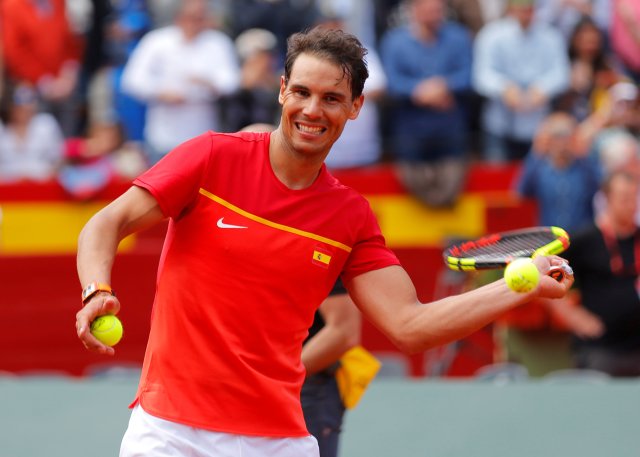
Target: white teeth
x: 308, y: 129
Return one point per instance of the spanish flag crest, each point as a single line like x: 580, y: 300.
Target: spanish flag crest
x: 321, y: 257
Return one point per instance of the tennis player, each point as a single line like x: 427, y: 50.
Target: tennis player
x: 258, y: 233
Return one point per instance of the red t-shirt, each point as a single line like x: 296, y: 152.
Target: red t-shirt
x: 245, y: 264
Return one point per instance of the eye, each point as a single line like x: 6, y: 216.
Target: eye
x: 300, y: 92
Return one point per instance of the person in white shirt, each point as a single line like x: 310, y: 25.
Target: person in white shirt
x: 31, y: 142
x: 180, y: 71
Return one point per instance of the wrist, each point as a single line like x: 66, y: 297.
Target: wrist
x: 94, y: 288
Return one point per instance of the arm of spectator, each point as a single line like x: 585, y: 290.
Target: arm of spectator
x: 220, y: 78
x: 340, y: 333
x: 580, y: 321
x: 62, y: 85
x: 486, y: 78
x: 556, y: 78
x: 459, y: 77
x: 400, y: 83
x: 589, y: 128
x: 513, y: 97
x: 139, y: 78
x: 433, y: 93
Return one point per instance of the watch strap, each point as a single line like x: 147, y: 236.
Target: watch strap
x: 93, y: 288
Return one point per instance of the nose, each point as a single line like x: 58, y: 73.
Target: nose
x: 313, y: 108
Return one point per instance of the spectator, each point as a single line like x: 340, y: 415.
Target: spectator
x: 428, y: 65
x: 31, y: 142
x: 618, y: 151
x: 625, y: 36
x: 618, y: 112
x: 180, y: 71
x: 256, y: 100
x: 592, y: 73
x: 361, y: 141
x: 605, y: 260
x: 49, y: 61
x: 519, y: 66
x: 560, y: 180
x: 99, y: 159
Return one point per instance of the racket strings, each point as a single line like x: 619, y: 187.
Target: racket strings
x: 511, y: 247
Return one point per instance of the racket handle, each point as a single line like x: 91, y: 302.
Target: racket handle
x: 559, y: 272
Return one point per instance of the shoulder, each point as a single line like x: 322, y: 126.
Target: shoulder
x: 396, y: 35
x: 215, y: 37
x: 161, y: 33
x: 496, y: 29
x: 238, y: 138
x: 457, y: 32
x: 348, y: 196
x: 46, y: 121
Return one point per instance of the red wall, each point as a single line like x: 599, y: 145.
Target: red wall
x: 40, y: 294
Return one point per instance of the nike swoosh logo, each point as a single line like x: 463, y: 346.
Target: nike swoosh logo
x: 222, y: 225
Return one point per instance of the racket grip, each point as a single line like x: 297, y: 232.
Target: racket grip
x: 559, y: 272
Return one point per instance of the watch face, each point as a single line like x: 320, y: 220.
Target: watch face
x: 88, y: 291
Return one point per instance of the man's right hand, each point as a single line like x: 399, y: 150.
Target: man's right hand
x: 100, y: 304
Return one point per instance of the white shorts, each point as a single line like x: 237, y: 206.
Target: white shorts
x: 150, y: 436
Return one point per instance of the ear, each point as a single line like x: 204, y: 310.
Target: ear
x: 356, y: 106
x: 283, y: 86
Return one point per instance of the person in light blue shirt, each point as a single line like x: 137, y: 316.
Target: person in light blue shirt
x: 519, y: 66
x: 428, y: 66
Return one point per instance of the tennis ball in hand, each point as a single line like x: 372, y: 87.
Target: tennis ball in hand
x: 522, y: 275
x: 107, y: 329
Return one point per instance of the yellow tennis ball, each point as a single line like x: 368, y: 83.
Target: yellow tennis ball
x: 521, y: 275
x: 107, y: 329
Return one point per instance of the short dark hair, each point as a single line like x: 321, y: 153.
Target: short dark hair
x: 339, y: 47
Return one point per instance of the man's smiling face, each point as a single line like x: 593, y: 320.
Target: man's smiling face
x: 316, y: 104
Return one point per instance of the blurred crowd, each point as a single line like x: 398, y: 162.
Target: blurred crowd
x: 97, y: 90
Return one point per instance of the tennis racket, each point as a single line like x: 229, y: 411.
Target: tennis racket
x: 495, y: 251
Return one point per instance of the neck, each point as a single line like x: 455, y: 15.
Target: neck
x: 293, y: 169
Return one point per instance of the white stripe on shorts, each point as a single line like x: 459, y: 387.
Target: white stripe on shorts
x: 150, y: 436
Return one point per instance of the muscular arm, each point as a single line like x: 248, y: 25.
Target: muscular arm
x: 135, y: 210
x: 388, y: 298
x: 340, y: 333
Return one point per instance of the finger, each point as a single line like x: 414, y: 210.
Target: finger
x: 91, y: 343
x: 110, y: 305
x: 84, y: 317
